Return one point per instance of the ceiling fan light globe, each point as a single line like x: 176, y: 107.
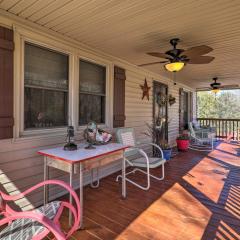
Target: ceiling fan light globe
x: 174, y: 66
x: 215, y: 90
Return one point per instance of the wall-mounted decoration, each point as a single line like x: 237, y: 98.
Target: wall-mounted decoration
x: 171, y: 100
x: 161, y: 99
x: 145, y: 88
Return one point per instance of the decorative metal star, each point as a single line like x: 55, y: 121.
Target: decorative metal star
x: 145, y: 88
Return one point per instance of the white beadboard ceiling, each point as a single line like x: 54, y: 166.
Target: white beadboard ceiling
x: 129, y: 28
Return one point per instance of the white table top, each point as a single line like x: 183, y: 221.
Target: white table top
x: 82, y: 154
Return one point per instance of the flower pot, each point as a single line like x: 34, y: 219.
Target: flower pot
x: 167, y: 154
x: 182, y: 145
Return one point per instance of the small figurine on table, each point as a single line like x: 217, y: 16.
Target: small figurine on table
x: 70, y: 145
x: 96, y: 136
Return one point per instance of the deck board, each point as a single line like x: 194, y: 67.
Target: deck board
x: 199, y: 199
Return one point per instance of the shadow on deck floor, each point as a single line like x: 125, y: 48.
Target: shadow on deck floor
x: 198, y: 199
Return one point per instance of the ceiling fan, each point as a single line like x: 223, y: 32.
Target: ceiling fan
x: 176, y: 58
x: 215, y: 87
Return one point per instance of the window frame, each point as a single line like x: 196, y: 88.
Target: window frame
x: 108, y: 96
x: 43, y: 131
x: 74, y: 53
x: 45, y: 88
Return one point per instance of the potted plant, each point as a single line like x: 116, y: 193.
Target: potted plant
x: 183, y: 142
x: 167, y: 150
x: 152, y: 132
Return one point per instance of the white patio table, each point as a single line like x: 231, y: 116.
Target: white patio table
x: 80, y: 160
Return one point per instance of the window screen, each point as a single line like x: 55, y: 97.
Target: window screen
x: 92, y: 79
x: 45, y: 88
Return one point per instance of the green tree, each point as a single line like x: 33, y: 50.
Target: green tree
x: 222, y: 105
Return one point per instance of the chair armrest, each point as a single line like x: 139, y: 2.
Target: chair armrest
x: 155, y: 145
x: 142, y: 152
x: 158, y: 147
x: 201, y: 130
x: 7, y: 197
x: 37, y: 217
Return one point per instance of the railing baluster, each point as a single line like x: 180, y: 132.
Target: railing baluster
x: 220, y: 128
x: 225, y: 125
x: 233, y: 129
x: 237, y: 131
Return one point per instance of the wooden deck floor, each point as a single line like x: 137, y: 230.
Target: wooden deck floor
x: 199, y: 199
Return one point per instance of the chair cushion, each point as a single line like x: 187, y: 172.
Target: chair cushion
x: 153, y: 162
x: 26, y: 229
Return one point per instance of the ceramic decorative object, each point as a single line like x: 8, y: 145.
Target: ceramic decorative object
x: 96, y: 136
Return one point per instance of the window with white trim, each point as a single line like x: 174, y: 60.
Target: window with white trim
x: 45, y: 87
x: 92, y: 92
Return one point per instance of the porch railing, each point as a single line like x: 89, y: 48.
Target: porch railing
x: 225, y: 128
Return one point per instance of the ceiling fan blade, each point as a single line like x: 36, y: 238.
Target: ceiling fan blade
x: 152, y: 63
x: 223, y: 87
x: 159, y: 55
x: 233, y: 86
x: 197, y: 51
x: 204, y: 89
x: 200, y: 60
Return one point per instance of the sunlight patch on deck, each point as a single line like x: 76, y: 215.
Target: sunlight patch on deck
x: 208, y: 178
x: 175, y: 208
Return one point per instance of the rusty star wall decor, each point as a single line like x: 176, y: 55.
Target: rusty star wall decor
x: 145, y: 88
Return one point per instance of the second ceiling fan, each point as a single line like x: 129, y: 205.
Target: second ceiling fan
x: 216, y: 86
x: 176, y: 58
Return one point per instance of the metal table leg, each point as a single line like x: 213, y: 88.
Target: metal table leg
x: 97, y: 181
x: 46, y: 177
x: 124, y: 194
x: 81, y: 194
x: 70, y: 197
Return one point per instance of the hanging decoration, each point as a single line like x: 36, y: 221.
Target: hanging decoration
x: 162, y: 99
x: 171, y: 100
x: 145, y: 89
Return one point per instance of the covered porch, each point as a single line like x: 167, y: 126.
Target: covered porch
x: 67, y: 63
x: 199, y: 199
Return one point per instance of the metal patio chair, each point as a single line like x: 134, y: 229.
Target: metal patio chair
x: 199, y: 130
x: 126, y: 136
x: 38, y: 223
x: 201, y: 139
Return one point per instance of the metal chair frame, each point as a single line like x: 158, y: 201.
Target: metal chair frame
x: 147, y: 163
x: 201, y: 140
x: 51, y: 226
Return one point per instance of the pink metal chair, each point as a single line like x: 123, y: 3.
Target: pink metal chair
x: 38, y: 223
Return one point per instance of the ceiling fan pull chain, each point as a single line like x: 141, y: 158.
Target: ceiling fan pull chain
x: 174, y: 78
